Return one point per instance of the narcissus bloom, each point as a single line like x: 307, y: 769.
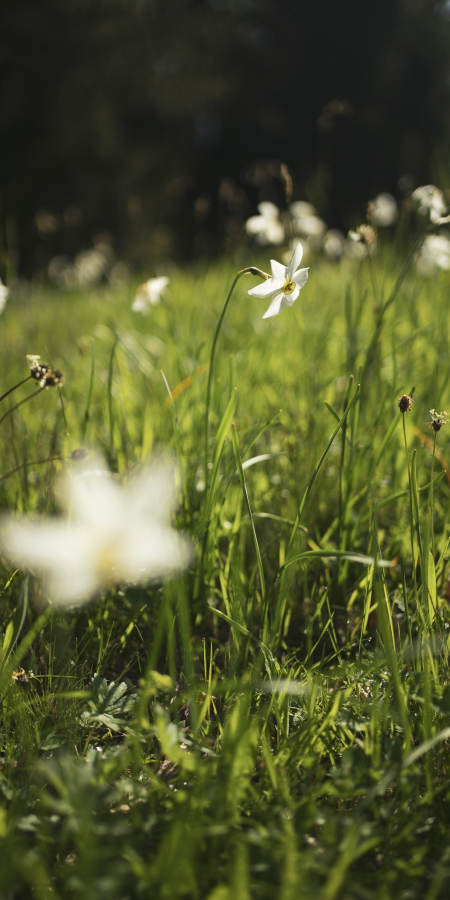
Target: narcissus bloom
x: 384, y: 210
x: 110, y: 534
x: 430, y: 200
x: 285, y: 284
x: 149, y: 294
x: 4, y: 294
x: 267, y: 226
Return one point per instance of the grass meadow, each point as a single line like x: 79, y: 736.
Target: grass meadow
x: 275, y: 722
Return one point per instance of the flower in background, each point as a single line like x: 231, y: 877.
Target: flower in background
x: 384, y: 210
x: 434, y: 254
x: 438, y: 420
x: 285, y: 284
x: 301, y: 209
x: 430, y: 200
x: 365, y: 235
x: 4, y: 294
x: 310, y: 226
x: 110, y: 534
x: 307, y: 223
x: 42, y: 372
x: 334, y: 244
x: 149, y: 294
x: 267, y: 226
x: 405, y: 403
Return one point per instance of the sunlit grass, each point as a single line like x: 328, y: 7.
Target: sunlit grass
x: 284, y: 728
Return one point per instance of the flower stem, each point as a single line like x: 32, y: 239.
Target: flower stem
x: 13, y: 408
x: 251, y: 270
x: 15, y: 387
x: 33, y: 462
x: 411, y: 509
x: 432, y: 495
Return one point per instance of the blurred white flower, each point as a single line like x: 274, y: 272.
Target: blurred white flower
x: 110, y: 534
x: 434, y: 254
x: 284, y: 285
x: 90, y: 265
x: 354, y: 249
x: 267, y: 226
x: 4, y: 294
x: 384, y: 210
x: 333, y: 244
x: 310, y: 226
x: 302, y: 210
x: 149, y: 294
x: 430, y: 200
x: 120, y: 274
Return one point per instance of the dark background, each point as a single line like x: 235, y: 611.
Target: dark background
x: 164, y: 122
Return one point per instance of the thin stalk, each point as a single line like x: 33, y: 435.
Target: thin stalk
x: 13, y: 408
x: 7, y: 393
x: 411, y: 507
x: 251, y: 270
x: 432, y: 495
x: 33, y: 462
x: 373, y: 279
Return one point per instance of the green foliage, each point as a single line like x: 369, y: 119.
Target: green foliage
x: 277, y: 721
x: 108, y: 704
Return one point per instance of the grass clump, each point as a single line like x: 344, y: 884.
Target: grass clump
x: 275, y: 722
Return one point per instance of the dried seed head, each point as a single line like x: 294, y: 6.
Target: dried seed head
x: 20, y: 676
x: 438, y: 420
x: 370, y: 214
x: 364, y: 234
x: 52, y: 378
x: 405, y: 403
x: 38, y: 370
x: 79, y: 454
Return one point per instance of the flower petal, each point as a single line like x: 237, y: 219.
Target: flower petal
x: 301, y: 277
x: 268, y: 209
x: 265, y: 289
x: 289, y: 298
x: 140, y: 304
x: 278, y: 271
x: 295, y: 261
x: 278, y: 303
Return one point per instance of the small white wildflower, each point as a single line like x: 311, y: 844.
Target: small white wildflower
x: 430, y: 200
x: 438, y: 420
x: 149, y: 294
x: 384, y: 210
x: 4, y: 294
x: 334, y: 244
x: 310, y: 226
x: 434, y: 254
x: 285, y: 284
x: 301, y: 209
x: 267, y: 226
x: 113, y: 535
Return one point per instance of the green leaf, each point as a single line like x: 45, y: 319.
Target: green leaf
x: 108, y: 704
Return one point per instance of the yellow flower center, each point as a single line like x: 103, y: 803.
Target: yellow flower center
x: 289, y: 287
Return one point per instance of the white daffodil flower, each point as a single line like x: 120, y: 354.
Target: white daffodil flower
x: 285, y: 284
x: 434, y: 254
x: 334, y: 244
x: 301, y: 209
x: 430, y: 200
x: 310, y: 226
x: 267, y: 226
x: 110, y: 534
x: 384, y: 210
x: 4, y: 294
x: 149, y: 294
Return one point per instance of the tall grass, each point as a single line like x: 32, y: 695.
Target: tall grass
x: 276, y: 723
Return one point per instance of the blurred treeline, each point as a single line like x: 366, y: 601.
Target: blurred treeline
x: 164, y: 122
